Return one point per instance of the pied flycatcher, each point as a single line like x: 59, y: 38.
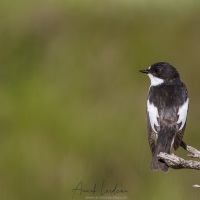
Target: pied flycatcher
x: 167, y: 107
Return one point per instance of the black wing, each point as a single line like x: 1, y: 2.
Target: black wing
x: 181, y: 126
x: 152, y: 136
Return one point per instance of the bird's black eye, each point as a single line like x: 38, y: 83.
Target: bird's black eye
x: 157, y: 70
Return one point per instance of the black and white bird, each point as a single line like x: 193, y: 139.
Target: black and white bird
x: 167, y: 108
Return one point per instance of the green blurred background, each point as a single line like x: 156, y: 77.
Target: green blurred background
x: 73, y: 102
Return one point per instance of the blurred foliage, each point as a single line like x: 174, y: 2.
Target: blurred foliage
x: 73, y: 102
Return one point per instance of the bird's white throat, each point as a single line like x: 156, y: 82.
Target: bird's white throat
x: 154, y: 80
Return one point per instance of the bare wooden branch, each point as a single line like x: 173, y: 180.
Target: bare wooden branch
x: 176, y: 162
x: 194, y: 152
x: 196, y: 186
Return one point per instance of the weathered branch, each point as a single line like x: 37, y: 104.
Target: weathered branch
x: 176, y: 162
x: 194, y: 152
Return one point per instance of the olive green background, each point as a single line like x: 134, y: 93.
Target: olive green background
x: 72, y: 102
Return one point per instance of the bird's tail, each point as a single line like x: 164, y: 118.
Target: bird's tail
x: 164, y: 143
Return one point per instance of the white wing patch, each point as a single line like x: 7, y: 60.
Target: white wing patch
x: 154, y: 80
x: 153, y: 115
x: 182, y: 112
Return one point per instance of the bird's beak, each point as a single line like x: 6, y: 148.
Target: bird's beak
x: 146, y: 71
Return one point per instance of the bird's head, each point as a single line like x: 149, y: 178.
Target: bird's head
x: 161, y: 72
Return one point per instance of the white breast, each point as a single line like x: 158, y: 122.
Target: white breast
x: 182, y: 112
x: 155, y: 81
x: 153, y: 115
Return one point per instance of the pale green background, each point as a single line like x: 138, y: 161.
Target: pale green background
x: 72, y: 102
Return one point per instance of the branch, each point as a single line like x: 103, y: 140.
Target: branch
x: 176, y: 162
x: 194, y: 152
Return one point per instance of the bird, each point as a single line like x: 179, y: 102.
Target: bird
x: 167, y: 109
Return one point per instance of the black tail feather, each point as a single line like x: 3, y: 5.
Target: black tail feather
x: 164, y: 143
x: 156, y: 164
